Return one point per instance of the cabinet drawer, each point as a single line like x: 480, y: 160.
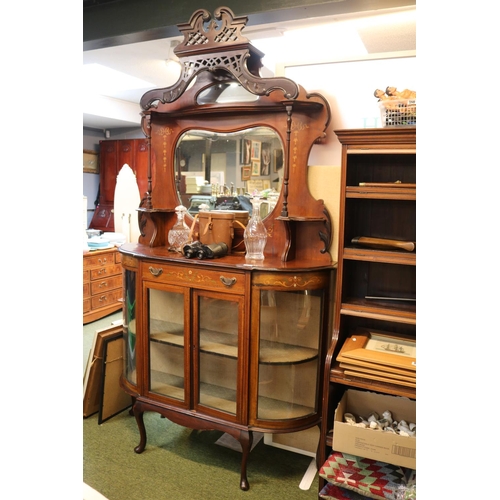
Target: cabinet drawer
x: 223, y: 280
x: 104, y: 272
x: 99, y: 260
x: 105, y: 285
x: 86, y: 290
x: 86, y: 276
x: 106, y: 298
x: 86, y: 305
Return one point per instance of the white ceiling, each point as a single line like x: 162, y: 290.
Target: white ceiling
x: 111, y: 108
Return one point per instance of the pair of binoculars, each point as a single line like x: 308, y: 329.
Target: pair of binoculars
x: 200, y: 251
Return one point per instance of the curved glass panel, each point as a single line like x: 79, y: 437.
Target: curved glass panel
x: 224, y: 169
x: 289, y: 353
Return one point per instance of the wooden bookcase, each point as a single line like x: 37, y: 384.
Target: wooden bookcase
x: 377, y: 200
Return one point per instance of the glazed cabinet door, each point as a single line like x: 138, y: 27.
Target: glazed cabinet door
x: 193, y: 339
x: 167, y: 334
x: 289, y: 328
x: 218, y: 351
x: 129, y: 327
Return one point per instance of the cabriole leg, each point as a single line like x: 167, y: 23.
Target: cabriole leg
x: 245, y: 439
x: 139, y: 418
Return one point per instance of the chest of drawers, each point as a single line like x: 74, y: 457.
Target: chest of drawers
x: 102, y: 284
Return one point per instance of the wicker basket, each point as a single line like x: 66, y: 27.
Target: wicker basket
x: 398, y: 112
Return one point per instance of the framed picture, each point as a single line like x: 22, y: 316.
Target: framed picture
x: 381, y: 377
x: 245, y: 151
x: 266, y: 184
x: 113, y: 398
x: 255, y: 151
x: 254, y: 186
x: 246, y: 172
x: 255, y: 167
x: 265, y: 159
x: 90, y: 161
x: 92, y: 382
x: 379, y: 348
x: 278, y: 159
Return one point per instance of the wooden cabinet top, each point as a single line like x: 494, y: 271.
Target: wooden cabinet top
x: 270, y: 264
x: 378, y: 136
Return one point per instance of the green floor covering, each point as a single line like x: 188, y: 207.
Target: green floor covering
x: 181, y: 463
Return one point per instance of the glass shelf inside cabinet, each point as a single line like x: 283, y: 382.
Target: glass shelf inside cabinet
x: 290, y: 331
x: 218, y: 350
x: 166, y: 346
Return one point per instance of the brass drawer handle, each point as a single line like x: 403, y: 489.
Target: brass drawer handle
x: 228, y: 281
x: 103, y: 261
x: 155, y: 271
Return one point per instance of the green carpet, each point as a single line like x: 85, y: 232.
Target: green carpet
x: 181, y: 463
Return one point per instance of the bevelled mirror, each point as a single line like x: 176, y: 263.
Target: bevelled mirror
x: 222, y: 134
x: 221, y: 169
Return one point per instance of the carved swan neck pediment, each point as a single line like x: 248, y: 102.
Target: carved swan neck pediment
x: 215, y: 43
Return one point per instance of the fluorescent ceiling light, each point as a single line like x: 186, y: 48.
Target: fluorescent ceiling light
x: 335, y: 40
x: 339, y: 39
x: 104, y: 81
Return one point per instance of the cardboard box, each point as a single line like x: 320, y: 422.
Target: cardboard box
x: 368, y: 443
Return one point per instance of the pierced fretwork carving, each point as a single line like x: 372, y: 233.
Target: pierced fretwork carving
x: 212, y: 44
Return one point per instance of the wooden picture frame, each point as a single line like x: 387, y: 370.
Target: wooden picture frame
x: 113, y: 398
x: 93, y: 377
x: 362, y: 365
x: 255, y: 168
x: 90, y: 161
x: 255, y: 153
x: 255, y: 186
x: 246, y: 173
x: 379, y: 348
x: 380, y: 378
x: 245, y: 151
x: 265, y: 159
x: 278, y: 159
x: 407, y: 377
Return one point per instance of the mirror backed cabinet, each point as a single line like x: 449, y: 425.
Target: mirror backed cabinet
x: 223, y: 343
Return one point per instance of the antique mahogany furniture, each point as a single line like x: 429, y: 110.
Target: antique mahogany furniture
x: 102, y: 284
x: 226, y: 344
x: 376, y: 285
x: 113, y: 154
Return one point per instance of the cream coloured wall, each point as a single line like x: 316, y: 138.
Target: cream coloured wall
x: 324, y: 184
x: 348, y: 86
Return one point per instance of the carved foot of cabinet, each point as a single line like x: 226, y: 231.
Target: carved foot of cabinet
x: 139, y: 418
x: 246, y: 439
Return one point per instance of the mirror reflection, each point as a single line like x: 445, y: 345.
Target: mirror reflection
x: 223, y: 170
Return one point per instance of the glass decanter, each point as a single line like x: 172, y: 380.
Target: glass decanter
x: 255, y: 234
x: 178, y: 236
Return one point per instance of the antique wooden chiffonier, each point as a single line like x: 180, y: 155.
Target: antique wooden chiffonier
x: 226, y: 344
